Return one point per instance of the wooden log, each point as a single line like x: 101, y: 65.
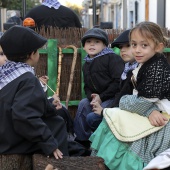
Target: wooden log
x: 41, y: 162
x: 16, y: 162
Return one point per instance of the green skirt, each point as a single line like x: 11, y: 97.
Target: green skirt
x: 128, y: 155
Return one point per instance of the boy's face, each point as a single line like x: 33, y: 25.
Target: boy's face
x: 33, y: 59
x: 93, y: 46
x: 126, y: 53
x: 3, y: 58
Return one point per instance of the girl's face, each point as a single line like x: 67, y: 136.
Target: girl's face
x: 3, y: 58
x: 126, y: 53
x: 93, y: 46
x: 142, y: 49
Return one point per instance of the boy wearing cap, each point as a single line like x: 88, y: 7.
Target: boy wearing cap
x: 102, y: 70
x: 29, y: 124
x: 126, y: 86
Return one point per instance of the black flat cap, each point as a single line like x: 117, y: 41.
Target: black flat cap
x: 123, y: 38
x: 95, y: 33
x: 20, y: 41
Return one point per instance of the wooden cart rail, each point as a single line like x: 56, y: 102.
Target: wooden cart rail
x: 52, y: 52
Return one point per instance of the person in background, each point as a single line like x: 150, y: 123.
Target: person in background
x: 29, y: 124
x: 126, y: 86
x: 52, y: 13
x: 44, y: 80
x: 14, y: 19
x: 55, y: 100
x: 102, y: 71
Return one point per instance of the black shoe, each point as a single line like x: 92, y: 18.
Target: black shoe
x: 85, y: 143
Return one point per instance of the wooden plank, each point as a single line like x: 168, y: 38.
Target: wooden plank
x: 146, y: 10
x: 40, y: 162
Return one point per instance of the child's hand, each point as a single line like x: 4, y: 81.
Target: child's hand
x: 56, y: 98
x: 96, y: 108
x: 44, y: 79
x: 56, y: 102
x: 58, y: 106
x: 157, y: 119
x: 96, y: 98
x: 58, y: 154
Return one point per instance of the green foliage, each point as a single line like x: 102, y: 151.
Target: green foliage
x: 76, y: 8
x: 17, y: 4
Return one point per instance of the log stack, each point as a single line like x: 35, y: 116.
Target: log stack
x: 41, y: 162
x: 16, y: 162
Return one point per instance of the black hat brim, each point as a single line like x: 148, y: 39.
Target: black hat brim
x: 123, y: 38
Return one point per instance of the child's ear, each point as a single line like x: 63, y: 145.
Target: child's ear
x: 159, y: 48
x: 31, y: 55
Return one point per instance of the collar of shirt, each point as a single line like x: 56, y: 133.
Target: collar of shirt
x: 11, y: 70
x: 51, y: 3
x: 103, y: 52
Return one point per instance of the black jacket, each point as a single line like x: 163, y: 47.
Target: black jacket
x: 24, y: 109
x: 63, y: 17
x: 126, y: 87
x: 102, y: 76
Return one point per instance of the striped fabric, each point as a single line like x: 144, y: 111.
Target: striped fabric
x: 103, y: 52
x: 51, y: 3
x: 11, y: 71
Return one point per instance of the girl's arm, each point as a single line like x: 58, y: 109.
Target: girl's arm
x: 143, y: 107
x: 157, y: 119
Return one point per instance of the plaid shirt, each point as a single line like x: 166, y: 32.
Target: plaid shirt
x: 51, y: 3
x: 103, y: 52
x: 11, y: 70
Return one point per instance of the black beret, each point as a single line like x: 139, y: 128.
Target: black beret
x: 95, y: 33
x: 20, y: 41
x: 123, y: 38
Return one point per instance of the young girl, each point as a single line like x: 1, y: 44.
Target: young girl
x: 152, y: 94
x: 126, y: 87
x: 102, y: 70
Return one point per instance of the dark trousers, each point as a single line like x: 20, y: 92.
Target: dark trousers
x: 81, y: 127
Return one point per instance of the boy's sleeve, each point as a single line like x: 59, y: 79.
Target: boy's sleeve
x: 116, y: 67
x: 28, y: 108
x: 87, y: 92
x: 139, y: 105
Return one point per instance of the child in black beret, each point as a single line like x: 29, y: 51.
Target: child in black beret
x: 28, y: 121
x: 126, y: 86
x: 102, y: 71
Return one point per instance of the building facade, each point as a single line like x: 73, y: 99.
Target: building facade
x: 125, y: 14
